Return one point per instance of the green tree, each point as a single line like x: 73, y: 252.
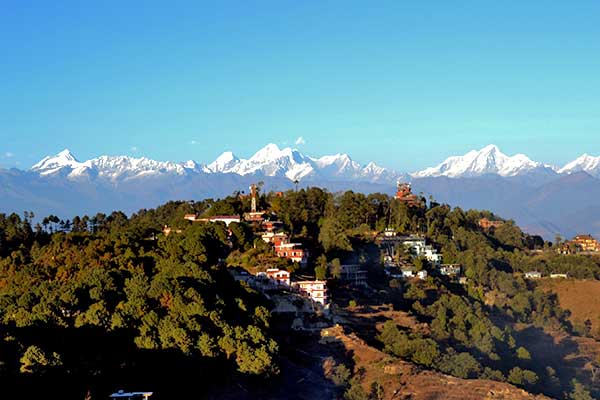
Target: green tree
x: 321, y: 268
x: 36, y: 361
x: 523, y: 354
x: 333, y: 236
x: 579, y: 392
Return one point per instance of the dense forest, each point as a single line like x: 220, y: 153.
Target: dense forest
x: 95, y: 303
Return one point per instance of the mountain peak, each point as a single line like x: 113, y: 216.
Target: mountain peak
x: 224, y: 162
x: 52, y: 164
x: 488, y: 160
x: 585, y: 162
x: 270, y: 151
x: 66, y: 153
x: 490, y: 148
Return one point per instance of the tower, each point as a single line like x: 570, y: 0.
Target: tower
x: 253, y: 198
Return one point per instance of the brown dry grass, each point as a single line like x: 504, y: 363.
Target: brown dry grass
x: 402, y: 380
x: 580, y: 297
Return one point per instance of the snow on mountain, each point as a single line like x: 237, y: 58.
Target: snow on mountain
x: 224, y: 163
x: 270, y: 161
x: 109, y: 167
x: 587, y: 163
x: 489, y: 160
x: 273, y: 161
x: 51, y: 164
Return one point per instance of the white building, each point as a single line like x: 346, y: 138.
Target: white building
x: 316, y: 290
x: 450, y: 269
x: 534, y: 275
x: 282, y: 277
x: 226, y: 219
x: 292, y: 251
x: 419, y: 248
x: 409, y: 272
x: 558, y: 276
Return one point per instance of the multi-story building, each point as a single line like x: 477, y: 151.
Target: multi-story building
x: 586, y: 243
x: 282, y: 277
x: 277, y: 239
x: 353, y: 274
x: 272, y: 226
x: 292, y: 251
x: 315, y: 290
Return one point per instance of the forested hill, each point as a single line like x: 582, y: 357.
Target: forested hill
x: 100, y: 302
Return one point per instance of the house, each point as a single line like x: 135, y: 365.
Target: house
x: 316, y: 290
x: 292, y: 251
x: 353, y: 274
x: 255, y: 216
x: 191, y: 217
x: 276, y: 238
x: 431, y: 255
x: 389, y: 232
x: 533, y: 275
x: 272, y: 226
x: 450, y: 269
x: 586, y: 243
x: 419, y: 248
x: 554, y: 276
x: 489, y: 225
x: 226, y: 219
x: 412, y: 241
x: 407, y: 271
x: 280, y: 276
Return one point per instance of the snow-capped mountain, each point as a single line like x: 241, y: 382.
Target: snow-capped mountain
x: 587, y: 163
x: 225, y: 162
x: 489, y: 160
x: 270, y: 161
x: 51, y: 164
x: 290, y: 163
x: 109, y: 167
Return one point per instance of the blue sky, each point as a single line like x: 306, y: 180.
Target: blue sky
x: 403, y: 83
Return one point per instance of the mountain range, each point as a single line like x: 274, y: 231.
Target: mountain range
x: 542, y: 198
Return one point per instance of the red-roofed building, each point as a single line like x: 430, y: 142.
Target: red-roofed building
x: 276, y: 238
x: 405, y: 195
x: 281, y: 276
x: 292, y: 251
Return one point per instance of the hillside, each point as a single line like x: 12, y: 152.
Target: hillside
x: 580, y: 297
x: 325, y: 295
